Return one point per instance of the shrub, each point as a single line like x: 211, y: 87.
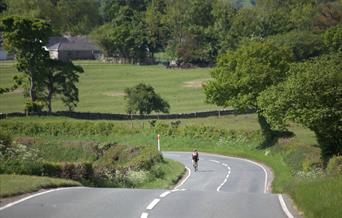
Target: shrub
x: 34, y: 106
x: 334, y: 166
x: 5, y: 141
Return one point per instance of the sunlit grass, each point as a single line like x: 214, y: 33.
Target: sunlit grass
x: 18, y: 184
x: 102, y: 85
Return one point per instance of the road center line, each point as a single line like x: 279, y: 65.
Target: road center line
x: 152, y: 204
x: 164, y: 194
x: 144, y: 215
x: 228, y: 173
x: 215, y: 161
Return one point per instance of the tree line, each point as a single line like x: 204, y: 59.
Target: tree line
x: 293, y: 75
x: 281, y: 58
x: 191, y: 31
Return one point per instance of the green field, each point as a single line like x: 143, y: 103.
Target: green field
x: 101, y: 87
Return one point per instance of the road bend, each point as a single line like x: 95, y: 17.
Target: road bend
x: 222, y: 187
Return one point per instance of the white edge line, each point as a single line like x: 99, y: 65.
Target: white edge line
x: 283, y: 206
x: 184, y: 180
x: 165, y: 194
x: 144, y: 215
x: 34, y: 195
x: 259, y: 165
x: 152, y: 204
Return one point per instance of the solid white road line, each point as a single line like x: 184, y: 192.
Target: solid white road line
x: 34, y: 195
x: 259, y: 165
x: 184, y: 180
x: 164, y: 194
x: 283, y: 206
x: 144, y: 215
x: 152, y: 204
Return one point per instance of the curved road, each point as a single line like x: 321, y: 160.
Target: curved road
x: 223, y: 187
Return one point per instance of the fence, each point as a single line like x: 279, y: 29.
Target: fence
x: 108, y: 116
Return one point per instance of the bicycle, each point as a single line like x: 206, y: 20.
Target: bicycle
x: 195, y: 165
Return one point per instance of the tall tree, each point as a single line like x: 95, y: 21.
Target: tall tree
x: 27, y: 37
x: 312, y: 97
x: 240, y: 76
x: 62, y: 80
x: 156, y: 30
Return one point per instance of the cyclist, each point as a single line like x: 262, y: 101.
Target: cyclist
x: 195, y: 158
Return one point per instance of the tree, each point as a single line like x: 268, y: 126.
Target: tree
x: 3, y: 6
x: 157, y: 32
x: 303, y: 44
x: 312, y: 97
x: 27, y: 37
x: 240, y: 76
x: 77, y: 16
x: 61, y: 80
x: 125, y: 36
x: 333, y: 38
x: 71, y: 16
x: 143, y: 99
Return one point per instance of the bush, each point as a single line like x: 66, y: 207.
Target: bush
x: 5, y: 141
x: 334, y: 166
x: 34, y: 106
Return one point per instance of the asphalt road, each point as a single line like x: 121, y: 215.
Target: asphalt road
x: 223, y: 187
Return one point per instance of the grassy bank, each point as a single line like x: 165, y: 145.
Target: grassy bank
x: 18, y: 184
x: 101, y: 87
x: 320, y: 197
x: 292, y: 159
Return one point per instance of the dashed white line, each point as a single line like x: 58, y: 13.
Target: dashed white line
x: 215, y: 161
x: 283, y: 206
x: 152, y: 204
x: 165, y: 194
x: 144, y: 215
x: 34, y: 195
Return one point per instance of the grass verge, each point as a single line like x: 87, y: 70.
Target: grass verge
x: 172, y: 172
x: 320, y: 197
x: 11, y: 185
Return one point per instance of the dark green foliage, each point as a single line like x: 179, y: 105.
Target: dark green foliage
x: 334, y: 166
x: 36, y: 106
x: 333, y: 38
x: 59, y: 128
x: 143, y: 99
x: 62, y: 80
x: 5, y: 137
x: 75, y: 17
x: 27, y: 38
x: 303, y: 44
x: 311, y: 96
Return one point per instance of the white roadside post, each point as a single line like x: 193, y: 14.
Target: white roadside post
x: 158, y: 139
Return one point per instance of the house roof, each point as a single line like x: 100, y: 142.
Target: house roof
x: 76, y: 43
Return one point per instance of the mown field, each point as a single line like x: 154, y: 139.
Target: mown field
x: 101, y: 87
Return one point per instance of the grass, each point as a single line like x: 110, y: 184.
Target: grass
x: 287, y: 157
x: 18, y: 184
x: 319, y: 197
x: 101, y: 87
x: 172, y: 172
